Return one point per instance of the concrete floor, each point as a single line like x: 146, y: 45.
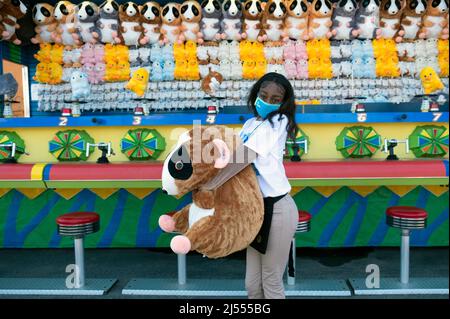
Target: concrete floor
x: 125, y: 264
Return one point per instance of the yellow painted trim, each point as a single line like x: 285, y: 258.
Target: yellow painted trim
x: 104, y: 193
x: 37, y: 172
x: 140, y: 192
x: 68, y: 193
x: 31, y: 193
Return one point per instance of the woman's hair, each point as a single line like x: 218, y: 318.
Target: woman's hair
x: 287, y: 106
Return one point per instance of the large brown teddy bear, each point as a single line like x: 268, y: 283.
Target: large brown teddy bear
x: 221, y: 221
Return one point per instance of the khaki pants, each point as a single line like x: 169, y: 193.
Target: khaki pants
x: 264, y: 273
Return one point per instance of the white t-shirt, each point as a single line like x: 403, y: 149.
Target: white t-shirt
x: 269, y: 143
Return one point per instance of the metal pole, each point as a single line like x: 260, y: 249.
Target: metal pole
x: 181, y: 269
x: 404, y: 261
x: 291, y: 279
x: 79, y: 262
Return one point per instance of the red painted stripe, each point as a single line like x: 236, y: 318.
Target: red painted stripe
x: 128, y: 171
x: 10, y: 172
x: 153, y: 171
x: 365, y: 169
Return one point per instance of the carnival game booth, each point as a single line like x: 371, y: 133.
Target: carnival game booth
x: 103, y: 96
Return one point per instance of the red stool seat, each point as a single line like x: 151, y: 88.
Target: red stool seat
x: 78, y: 224
x: 406, y: 212
x: 406, y: 217
x: 304, y: 221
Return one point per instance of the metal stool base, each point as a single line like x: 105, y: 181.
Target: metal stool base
x: 193, y: 287
x: 228, y: 288
x: 318, y: 288
x: 393, y: 286
x: 53, y: 286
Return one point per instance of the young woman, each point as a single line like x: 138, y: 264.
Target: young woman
x: 264, y: 136
x: 272, y: 101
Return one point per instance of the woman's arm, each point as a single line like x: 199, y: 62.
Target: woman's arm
x: 243, y: 157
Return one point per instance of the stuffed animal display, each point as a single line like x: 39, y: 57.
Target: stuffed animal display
x: 252, y: 13
x: 81, y: 88
x: 273, y: 21
x: 430, y: 80
x: 296, y: 23
x: 201, y: 222
x: 64, y: 14
x: 10, y: 12
x: 322, y: 46
x: 138, y: 82
x: 435, y: 21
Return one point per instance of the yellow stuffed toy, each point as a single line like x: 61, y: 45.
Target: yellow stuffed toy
x: 444, y: 65
x: 430, y: 80
x: 248, y: 70
x: 56, y: 72
x: 178, y: 51
x: 180, y: 70
x: 42, y: 73
x: 57, y: 54
x: 44, y: 54
x: 190, y: 50
x: 138, y: 82
x: 314, y: 68
x: 260, y: 68
x: 123, y: 71
x: 193, y: 70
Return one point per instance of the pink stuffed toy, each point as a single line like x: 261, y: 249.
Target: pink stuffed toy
x: 99, y: 73
x: 99, y: 53
x: 289, y: 51
x: 302, y: 69
x: 300, y: 51
x: 88, y: 69
x: 88, y: 53
x: 290, y: 68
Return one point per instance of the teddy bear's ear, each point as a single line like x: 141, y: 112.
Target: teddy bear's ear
x: 224, y: 151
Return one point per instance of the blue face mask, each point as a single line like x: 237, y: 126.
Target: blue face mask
x: 263, y: 108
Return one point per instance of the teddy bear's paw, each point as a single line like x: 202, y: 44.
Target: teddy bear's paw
x: 166, y: 223
x: 180, y: 244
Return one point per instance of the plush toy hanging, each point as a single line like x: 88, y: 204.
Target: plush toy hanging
x: 211, y: 83
x: 210, y: 224
x: 131, y: 31
x: 171, y: 23
x: 87, y: 17
x: 232, y: 20
x: 435, y: 20
x: 210, y: 25
x: 430, y: 80
x: 320, y: 19
x: 252, y: 13
x: 367, y: 20
x: 390, y: 17
x: 138, y: 82
x: 108, y: 23
x: 11, y: 11
x: 64, y: 14
x: 191, y: 15
x: 81, y: 89
x: 343, y: 20
x: 296, y: 23
x: 151, y: 22
x: 273, y: 21
x: 412, y: 19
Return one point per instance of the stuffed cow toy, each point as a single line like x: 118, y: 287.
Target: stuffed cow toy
x: 219, y: 221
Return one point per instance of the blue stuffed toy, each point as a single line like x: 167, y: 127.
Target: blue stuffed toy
x: 169, y: 69
x: 156, y: 73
